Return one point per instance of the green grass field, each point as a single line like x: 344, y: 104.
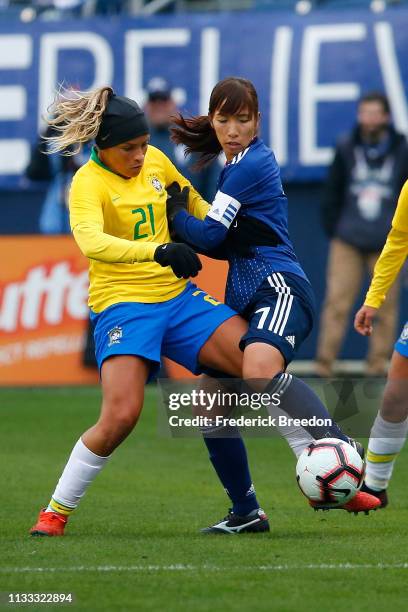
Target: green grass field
x: 134, y: 543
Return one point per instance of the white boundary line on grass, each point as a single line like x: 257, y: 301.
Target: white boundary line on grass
x: 195, y: 568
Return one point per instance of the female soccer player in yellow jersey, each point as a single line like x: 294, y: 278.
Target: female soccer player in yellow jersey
x: 390, y: 427
x: 142, y: 304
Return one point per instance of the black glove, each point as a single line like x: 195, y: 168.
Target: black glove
x: 246, y: 232
x: 176, y: 200
x: 183, y: 260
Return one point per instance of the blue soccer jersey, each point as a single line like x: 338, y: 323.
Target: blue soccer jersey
x: 249, y: 185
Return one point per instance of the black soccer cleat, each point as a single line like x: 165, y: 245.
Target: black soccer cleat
x: 381, y: 495
x: 254, y: 522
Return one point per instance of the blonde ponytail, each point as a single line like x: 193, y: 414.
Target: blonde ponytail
x: 75, y: 117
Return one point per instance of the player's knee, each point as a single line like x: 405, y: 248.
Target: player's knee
x: 262, y: 361
x: 258, y: 367
x: 119, y: 416
x: 115, y: 431
x: 125, y: 421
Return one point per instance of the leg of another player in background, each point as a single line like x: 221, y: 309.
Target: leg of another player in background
x: 390, y: 427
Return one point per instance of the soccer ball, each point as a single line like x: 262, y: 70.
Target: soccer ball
x: 330, y: 472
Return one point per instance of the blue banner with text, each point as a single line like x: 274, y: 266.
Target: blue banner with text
x: 309, y: 72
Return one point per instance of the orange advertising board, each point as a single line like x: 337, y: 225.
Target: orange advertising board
x: 44, y: 311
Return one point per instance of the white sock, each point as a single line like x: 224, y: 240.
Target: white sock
x: 386, y: 441
x: 82, y: 468
x: 297, y: 437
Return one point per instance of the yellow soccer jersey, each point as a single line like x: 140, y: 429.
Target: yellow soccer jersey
x: 118, y: 223
x: 393, y: 255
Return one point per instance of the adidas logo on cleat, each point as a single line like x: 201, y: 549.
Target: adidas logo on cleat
x: 291, y: 340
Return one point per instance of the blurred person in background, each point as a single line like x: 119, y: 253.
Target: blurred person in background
x: 359, y: 198
x: 56, y: 171
x: 161, y: 109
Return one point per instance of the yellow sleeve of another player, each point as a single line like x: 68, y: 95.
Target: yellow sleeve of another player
x: 196, y: 205
x: 86, y: 219
x: 393, y: 255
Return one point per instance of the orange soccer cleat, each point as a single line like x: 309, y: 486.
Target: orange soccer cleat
x: 381, y: 495
x: 49, y: 524
x: 361, y: 502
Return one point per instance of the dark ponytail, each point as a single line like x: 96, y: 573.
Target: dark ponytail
x: 198, y: 136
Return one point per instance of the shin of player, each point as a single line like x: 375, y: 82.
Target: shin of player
x: 390, y: 428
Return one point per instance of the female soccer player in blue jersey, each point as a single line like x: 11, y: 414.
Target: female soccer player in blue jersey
x: 268, y: 288
x: 142, y: 304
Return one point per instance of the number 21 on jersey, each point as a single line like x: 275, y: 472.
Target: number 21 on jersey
x: 142, y: 220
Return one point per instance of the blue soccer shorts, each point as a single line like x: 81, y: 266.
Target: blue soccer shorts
x: 281, y: 313
x: 177, y: 328
x: 401, y: 345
